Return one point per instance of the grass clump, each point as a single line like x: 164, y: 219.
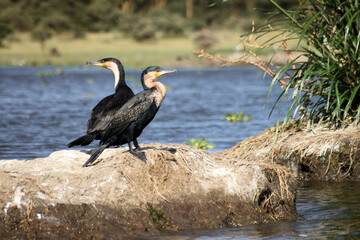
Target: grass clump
x: 326, y: 85
x: 233, y: 117
x: 322, y: 73
x: 203, y: 143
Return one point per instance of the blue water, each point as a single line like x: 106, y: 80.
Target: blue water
x: 41, y: 114
x: 41, y: 111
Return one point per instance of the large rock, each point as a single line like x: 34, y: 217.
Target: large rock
x: 171, y: 187
x: 311, y: 154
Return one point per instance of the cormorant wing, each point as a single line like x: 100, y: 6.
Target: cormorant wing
x: 107, y: 108
x: 97, y: 115
x: 129, y: 113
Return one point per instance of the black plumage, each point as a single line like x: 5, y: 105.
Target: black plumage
x: 108, y: 106
x: 129, y: 121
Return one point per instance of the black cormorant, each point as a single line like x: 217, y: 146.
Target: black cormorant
x: 129, y: 121
x: 108, y: 106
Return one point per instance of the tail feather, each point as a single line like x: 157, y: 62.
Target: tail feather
x: 95, y: 155
x: 83, y: 141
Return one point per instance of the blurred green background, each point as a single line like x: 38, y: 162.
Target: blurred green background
x: 139, y: 32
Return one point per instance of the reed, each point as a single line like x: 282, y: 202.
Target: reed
x: 322, y: 73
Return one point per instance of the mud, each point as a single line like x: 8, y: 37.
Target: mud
x: 310, y: 154
x: 164, y: 187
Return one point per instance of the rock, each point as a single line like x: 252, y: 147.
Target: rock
x: 164, y: 187
x: 318, y: 154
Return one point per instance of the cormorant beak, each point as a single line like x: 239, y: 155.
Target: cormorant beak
x: 163, y: 72
x: 96, y: 63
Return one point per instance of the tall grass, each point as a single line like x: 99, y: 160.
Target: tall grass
x: 322, y: 71
x: 325, y: 85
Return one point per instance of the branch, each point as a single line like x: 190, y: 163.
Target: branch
x: 259, y: 64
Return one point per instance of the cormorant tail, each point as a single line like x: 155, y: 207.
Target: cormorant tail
x: 95, y: 155
x: 83, y: 141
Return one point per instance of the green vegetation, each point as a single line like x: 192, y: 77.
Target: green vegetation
x: 232, y: 117
x: 203, y: 143
x: 141, y: 19
x: 50, y: 73
x: 325, y: 86
x: 140, y: 33
x: 157, y: 217
x: 322, y: 74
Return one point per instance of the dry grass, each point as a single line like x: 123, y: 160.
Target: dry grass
x: 252, y: 45
x: 320, y: 154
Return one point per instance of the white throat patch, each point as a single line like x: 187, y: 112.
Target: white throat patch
x: 114, y: 68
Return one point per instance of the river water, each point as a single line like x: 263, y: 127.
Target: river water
x: 43, y: 109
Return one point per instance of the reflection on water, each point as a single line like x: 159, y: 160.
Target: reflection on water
x: 328, y: 211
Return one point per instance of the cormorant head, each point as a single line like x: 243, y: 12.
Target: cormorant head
x: 150, y: 74
x: 108, y: 63
x: 115, y: 66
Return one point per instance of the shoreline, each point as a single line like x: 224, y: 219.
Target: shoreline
x: 63, y: 50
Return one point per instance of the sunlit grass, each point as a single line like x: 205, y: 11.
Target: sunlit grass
x: 164, y: 52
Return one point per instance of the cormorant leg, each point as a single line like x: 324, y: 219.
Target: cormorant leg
x: 136, y: 144
x: 130, y: 148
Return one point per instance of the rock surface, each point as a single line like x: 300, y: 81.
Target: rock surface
x: 317, y: 154
x: 171, y: 187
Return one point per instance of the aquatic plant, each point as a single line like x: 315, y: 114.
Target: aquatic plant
x: 90, y: 80
x: 50, y: 73
x: 203, y: 143
x: 232, y: 117
x: 45, y: 73
x: 323, y: 78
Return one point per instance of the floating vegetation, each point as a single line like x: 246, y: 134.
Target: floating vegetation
x: 88, y: 95
x: 50, y: 73
x: 44, y: 84
x: 45, y: 73
x: 90, y: 80
x: 202, y: 143
x: 60, y: 70
x: 232, y: 117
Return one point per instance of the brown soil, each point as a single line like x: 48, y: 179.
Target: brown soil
x: 164, y: 187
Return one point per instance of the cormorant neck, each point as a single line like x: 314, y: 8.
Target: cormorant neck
x: 119, y: 74
x: 148, y: 82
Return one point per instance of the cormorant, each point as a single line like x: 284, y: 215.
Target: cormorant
x: 129, y: 121
x: 108, y: 106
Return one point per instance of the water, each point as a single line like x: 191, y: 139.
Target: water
x: 41, y: 114
x: 327, y: 211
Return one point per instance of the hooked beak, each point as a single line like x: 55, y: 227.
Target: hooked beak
x: 163, y: 72
x: 96, y: 63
